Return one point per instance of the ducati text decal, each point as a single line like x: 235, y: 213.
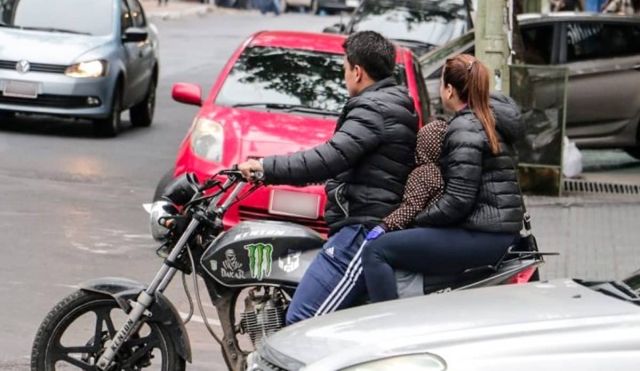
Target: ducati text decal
x: 260, y: 259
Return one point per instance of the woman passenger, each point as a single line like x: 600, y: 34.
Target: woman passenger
x: 480, y: 213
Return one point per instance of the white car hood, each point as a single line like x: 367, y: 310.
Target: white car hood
x: 428, y: 322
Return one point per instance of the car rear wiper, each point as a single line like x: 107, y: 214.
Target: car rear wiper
x: 53, y: 29
x: 618, y: 290
x: 289, y: 108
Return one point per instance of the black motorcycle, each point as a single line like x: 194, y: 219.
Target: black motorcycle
x: 258, y: 262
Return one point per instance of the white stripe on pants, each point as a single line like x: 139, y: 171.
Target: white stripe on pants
x: 344, y: 287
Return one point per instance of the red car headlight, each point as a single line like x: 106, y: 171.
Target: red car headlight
x: 207, y: 139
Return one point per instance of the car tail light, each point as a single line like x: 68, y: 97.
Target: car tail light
x: 523, y: 277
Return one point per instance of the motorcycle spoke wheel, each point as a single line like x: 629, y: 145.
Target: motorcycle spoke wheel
x: 74, y: 334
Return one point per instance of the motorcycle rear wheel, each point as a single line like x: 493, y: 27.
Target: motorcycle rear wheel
x: 48, y: 352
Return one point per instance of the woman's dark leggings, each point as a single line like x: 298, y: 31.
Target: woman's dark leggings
x: 432, y: 251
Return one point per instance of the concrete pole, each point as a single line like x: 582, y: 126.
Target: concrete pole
x: 545, y: 6
x: 492, y: 43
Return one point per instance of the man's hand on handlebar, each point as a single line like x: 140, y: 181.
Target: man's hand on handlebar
x: 251, y: 170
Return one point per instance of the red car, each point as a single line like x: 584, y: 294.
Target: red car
x: 279, y: 93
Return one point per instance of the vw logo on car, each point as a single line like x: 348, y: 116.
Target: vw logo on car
x: 23, y: 66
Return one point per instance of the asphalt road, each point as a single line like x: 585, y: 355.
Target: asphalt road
x: 71, y: 204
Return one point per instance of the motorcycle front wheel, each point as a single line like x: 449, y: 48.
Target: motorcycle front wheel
x: 74, y: 333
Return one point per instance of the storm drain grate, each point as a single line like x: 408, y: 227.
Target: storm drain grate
x: 583, y: 186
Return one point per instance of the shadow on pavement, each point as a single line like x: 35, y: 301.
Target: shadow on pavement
x: 58, y: 127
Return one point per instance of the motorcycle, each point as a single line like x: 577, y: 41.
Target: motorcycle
x: 257, y: 262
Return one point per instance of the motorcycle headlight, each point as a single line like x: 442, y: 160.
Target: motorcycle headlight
x: 160, y: 209
x: 422, y: 362
x: 87, y: 69
x: 207, y: 139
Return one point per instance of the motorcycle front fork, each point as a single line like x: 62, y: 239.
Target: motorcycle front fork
x: 144, y: 300
x: 159, y: 283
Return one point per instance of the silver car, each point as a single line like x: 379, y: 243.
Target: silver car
x: 78, y: 58
x: 317, y: 5
x: 601, y: 53
x: 558, y: 325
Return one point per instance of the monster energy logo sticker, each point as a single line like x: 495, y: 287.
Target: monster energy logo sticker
x: 260, y: 259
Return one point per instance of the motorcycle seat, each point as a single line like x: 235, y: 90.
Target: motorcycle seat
x: 415, y: 284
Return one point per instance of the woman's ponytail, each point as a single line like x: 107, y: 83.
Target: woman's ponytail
x: 479, y: 102
x: 470, y: 78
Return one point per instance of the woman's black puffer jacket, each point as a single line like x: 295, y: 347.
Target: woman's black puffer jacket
x: 481, y: 189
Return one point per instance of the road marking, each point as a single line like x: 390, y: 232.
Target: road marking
x: 66, y: 286
x: 141, y: 236
x: 84, y: 248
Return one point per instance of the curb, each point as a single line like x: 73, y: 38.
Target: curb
x: 580, y: 201
x: 177, y: 14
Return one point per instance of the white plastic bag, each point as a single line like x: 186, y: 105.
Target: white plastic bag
x: 571, y: 159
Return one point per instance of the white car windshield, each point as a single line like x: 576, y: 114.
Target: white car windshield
x: 93, y: 17
x: 428, y: 22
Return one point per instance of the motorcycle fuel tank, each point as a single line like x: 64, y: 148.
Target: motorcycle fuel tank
x: 262, y: 252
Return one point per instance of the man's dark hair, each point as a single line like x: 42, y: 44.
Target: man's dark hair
x: 372, y: 52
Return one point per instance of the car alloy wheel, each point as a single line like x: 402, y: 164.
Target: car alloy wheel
x: 151, y: 101
x: 110, y: 127
x: 115, y: 114
x: 141, y: 114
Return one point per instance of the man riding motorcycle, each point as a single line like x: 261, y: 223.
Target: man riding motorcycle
x: 366, y: 163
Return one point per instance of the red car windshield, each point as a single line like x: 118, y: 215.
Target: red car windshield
x: 288, y: 77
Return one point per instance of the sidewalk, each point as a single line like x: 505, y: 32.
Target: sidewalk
x: 597, y: 235
x: 595, y: 241
x: 175, y: 9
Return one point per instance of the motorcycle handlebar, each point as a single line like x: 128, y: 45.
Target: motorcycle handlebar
x: 234, y: 178
x: 232, y: 187
x: 235, y: 173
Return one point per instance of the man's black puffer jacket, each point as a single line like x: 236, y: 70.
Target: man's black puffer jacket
x: 366, y: 162
x: 481, y: 189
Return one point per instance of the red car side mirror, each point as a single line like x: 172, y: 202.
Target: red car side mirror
x: 187, y: 94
